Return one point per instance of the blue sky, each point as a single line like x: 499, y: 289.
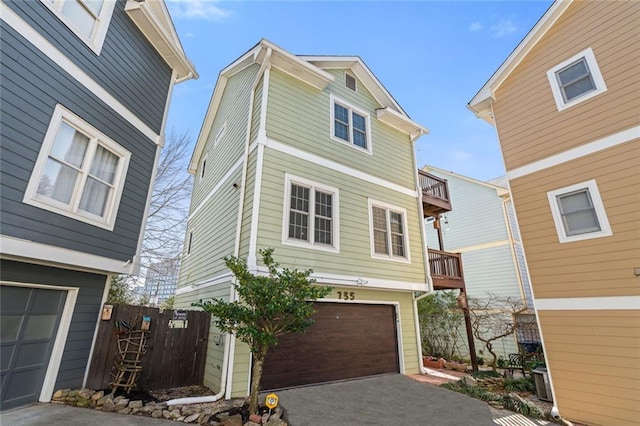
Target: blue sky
x: 431, y: 56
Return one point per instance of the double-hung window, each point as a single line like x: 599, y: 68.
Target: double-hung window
x: 79, y: 173
x: 349, y: 124
x: 88, y: 19
x: 578, y: 212
x: 576, y: 79
x: 388, y: 225
x: 311, y: 214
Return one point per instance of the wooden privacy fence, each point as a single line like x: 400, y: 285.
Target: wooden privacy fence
x: 174, y: 357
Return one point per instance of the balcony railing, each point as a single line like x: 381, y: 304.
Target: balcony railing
x: 435, y: 194
x: 446, y: 269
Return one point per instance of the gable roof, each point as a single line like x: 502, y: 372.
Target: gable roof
x: 496, y: 184
x: 311, y: 70
x: 481, y: 102
x: 154, y: 21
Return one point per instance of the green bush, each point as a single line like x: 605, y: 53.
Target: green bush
x: 473, y: 391
x: 526, y: 408
x: 481, y: 374
x: 525, y: 384
x: 502, y: 363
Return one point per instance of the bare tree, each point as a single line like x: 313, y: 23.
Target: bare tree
x: 493, y: 318
x: 167, y: 217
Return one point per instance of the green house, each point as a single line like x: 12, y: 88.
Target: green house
x: 312, y: 156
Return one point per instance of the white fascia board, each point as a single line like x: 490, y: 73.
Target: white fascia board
x: 401, y: 122
x: 165, y: 43
x: 297, y: 67
x: 26, y: 251
x: 362, y: 72
x: 480, y: 104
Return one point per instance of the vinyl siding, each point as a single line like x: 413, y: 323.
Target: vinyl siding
x: 128, y: 67
x: 406, y: 327
x: 213, y: 238
x: 392, y: 157
x: 30, y: 88
x: 234, y: 110
x: 476, y: 218
x: 594, y: 267
x: 593, y: 356
x: 529, y: 124
x: 75, y: 357
x: 355, y: 253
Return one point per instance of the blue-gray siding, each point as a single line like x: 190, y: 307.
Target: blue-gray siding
x: 85, y: 315
x: 30, y: 87
x: 128, y: 67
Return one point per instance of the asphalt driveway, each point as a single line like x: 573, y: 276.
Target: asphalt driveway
x: 383, y: 400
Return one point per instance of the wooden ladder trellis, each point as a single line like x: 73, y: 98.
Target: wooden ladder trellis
x: 128, y: 362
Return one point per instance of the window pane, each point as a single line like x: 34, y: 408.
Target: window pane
x: 359, y: 122
x: 397, y: 234
x: 380, y: 242
x: 359, y: 139
x: 10, y: 327
x: 57, y: 181
x: 69, y: 145
x: 80, y: 17
x: 299, y: 198
x: 581, y: 222
x: 40, y: 327
x: 104, y: 165
x: 573, y: 72
x: 94, y: 197
x: 324, y: 204
x: 323, y: 231
x: 298, y: 226
x: 94, y: 5
x: 578, y: 88
x: 575, y: 201
x: 341, y: 113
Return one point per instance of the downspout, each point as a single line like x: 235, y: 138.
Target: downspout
x: 425, y: 257
x: 229, y: 348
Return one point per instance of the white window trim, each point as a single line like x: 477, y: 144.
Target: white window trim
x: 96, y: 40
x: 601, y: 214
x: 405, y: 231
x: 220, y: 135
x: 291, y: 179
x: 61, y: 114
x: 334, y: 99
x: 202, y: 170
x: 594, y: 70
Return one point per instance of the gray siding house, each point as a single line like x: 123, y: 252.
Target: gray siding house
x: 84, y: 94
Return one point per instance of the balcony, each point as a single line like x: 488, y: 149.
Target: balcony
x: 435, y: 194
x: 446, y: 270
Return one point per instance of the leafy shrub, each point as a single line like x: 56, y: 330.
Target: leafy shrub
x: 473, y: 391
x: 502, y: 363
x: 524, y: 384
x: 518, y: 405
x: 481, y: 374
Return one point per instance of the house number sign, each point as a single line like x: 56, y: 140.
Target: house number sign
x: 346, y: 295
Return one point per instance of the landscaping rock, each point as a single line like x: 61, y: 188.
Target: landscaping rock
x: 275, y: 422
x: 192, y: 418
x: 85, y: 393
x: 73, y: 393
x: 204, y: 419
x: 470, y: 381
x: 57, y: 394
x: 97, y: 395
x: 102, y: 400
x: 82, y: 402
x: 166, y: 414
x: 156, y: 414
x: 135, y: 404
x: 121, y: 403
x: 255, y: 418
x: 109, y: 405
x: 250, y: 423
x: 126, y: 410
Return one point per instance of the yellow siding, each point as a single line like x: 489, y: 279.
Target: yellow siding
x: 594, y: 359
x: 408, y: 349
x: 529, y: 124
x: 594, y: 267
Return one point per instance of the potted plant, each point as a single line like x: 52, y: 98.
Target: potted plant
x: 432, y: 362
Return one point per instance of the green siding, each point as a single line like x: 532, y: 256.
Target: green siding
x: 355, y: 250
x: 234, y: 110
x: 310, y: 129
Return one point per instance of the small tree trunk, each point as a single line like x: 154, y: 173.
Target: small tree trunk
x: 256, y: 376
x: 489, y: 347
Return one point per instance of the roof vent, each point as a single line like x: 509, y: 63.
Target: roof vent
x: 350, y: 81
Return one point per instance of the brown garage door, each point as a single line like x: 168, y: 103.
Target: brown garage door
x: 346, y: 341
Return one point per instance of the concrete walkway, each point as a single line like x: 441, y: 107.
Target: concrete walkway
x: 44, y: 414
x: 382, y: 400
